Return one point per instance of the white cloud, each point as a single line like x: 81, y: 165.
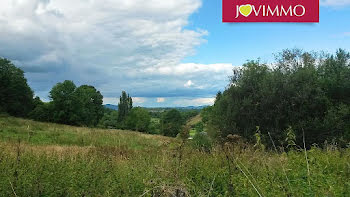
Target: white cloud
x: 194, y: 102
x: 110, y: 100
x: 114, y: 45
x: 160, y: 100
x: 190, y: 68
x: 115, y: 100
x: 102, y: 37
x: 334, y: 2
x: 188, y: 84
x: 204, y: 101
x: 138, y: 100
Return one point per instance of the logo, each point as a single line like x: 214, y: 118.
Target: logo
x: 245, y: 10
x: 305, y: 11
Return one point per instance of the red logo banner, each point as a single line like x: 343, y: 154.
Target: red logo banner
x: 304, y: 11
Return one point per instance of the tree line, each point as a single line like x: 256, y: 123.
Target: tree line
x: 302, y: 97
x: 81, y: 106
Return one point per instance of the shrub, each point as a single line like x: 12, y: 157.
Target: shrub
x: 202, y: 141
x: 308, y: 92
x: 138, y: 119
x: 171, y: 123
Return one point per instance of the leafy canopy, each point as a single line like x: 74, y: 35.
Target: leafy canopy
x: 16, y: 97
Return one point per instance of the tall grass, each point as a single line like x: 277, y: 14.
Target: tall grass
x: 40, y: 159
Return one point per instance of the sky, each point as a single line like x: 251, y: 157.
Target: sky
x: 164, y: 53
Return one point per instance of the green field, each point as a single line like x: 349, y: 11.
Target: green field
x: 44, y: 159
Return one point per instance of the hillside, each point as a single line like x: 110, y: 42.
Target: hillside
x: 194, y: 120
x: 160, y: 109
x: 110, y: 106
x: 37, y: 133
x: 44, y: 159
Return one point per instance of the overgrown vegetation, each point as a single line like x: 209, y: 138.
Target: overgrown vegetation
x: 278, y: 129
x: 44, y: 159
x: 308, y: 93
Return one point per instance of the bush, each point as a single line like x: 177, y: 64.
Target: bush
x: 171, y: 123
x: 42, y: 112
x: 202, y: 141
x: 138, y: 119
x: 307, y: 92
x: 109, y: 119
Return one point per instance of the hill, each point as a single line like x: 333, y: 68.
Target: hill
x: 44, y: 159
x: 161, y: 109
x: 194, y: 120
x: 110, y: 106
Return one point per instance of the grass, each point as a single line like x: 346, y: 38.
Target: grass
x: 42, y: 159
x: 191, y: 123
x: 192, y: 133
x: 194, y: 120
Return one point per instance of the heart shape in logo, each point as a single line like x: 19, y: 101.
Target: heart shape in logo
x: 245, y: 10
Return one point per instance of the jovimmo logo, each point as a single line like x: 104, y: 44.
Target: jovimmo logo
x: 304, y: 11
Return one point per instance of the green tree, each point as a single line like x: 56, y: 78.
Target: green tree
x: 42, y: 112
x: 16, y: 97
x: 306, y: 91
x: 124, y: 106
x: 138, y: 119
x: 109, y: 119
x: 64, y: 101
x: 90, y: 108
x: 171, y: 123
x: 75, y: 106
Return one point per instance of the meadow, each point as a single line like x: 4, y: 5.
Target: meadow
x: 45, y: 159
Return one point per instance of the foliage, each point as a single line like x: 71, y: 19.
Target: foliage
x: 202, y: 141
x: 42, y: 112
x: 70, y: 105
x: 307, y: 91
x: 171, y: 123
x: 199, y: 127
x: 206, y: 113
x: 90, y: 107
x: 188, y: 114
x: 109, y: 119
x: 64, y: 101
x: 154, y: 127
x: 138, y: 119
x: 290, y: 138
x: 184, y: 133
x: 124, y: 106
x: 16, y: 97
x: 259, y: 145
x: 44, y: 159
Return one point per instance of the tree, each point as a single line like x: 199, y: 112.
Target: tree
x: 89, y: 102
x: 124, y: 106
x: 109, y: 119
x: 42, y: 112
x: 303, y: 91
x: 65, y: 108
x: 138, y: 119
x: 171, y: 123
x: 16, y: 97
x: 76, y: 106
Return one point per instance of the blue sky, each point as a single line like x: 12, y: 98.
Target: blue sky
x: 164, y: 53
x: 236, y: 43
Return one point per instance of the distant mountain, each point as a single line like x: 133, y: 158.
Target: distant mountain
x: 115, y: 107
x: 188, y: 108
x: 109, y: 106
x: 192, y: 107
